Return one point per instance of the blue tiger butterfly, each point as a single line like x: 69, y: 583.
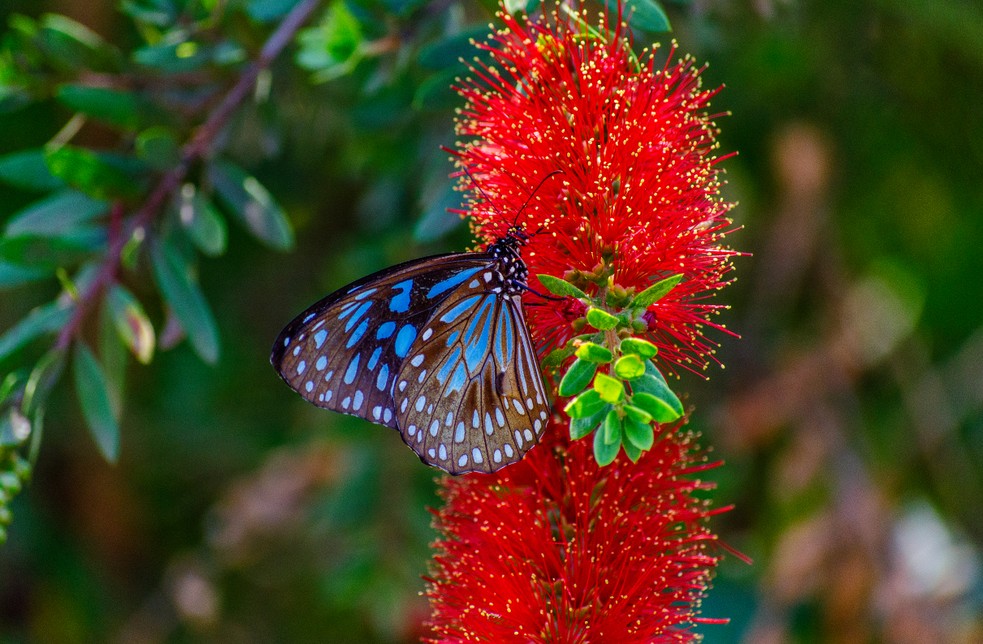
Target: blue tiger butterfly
x: 436, y: 348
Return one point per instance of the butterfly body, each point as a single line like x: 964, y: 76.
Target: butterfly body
x: 435, y: 348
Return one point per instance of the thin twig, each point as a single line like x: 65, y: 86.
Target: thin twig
x: 193, y: 150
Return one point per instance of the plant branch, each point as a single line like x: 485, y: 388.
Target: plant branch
x: 194, y: 149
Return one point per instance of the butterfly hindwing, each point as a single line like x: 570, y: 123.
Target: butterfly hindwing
x: 471, y: 397
x: 343, y: 353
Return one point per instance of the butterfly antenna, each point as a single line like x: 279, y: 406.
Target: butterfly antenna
x: 532, y: 194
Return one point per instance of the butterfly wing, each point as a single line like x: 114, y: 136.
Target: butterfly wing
x: 343, y: 353
x: 471, y: 397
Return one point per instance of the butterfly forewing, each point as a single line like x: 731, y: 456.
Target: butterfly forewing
x: 471, y: 397
x: 343, y: 353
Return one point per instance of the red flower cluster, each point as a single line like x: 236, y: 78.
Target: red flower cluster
x: 558, y: 549
x: 637, y: 188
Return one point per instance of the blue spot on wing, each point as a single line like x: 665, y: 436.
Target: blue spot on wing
x: 404, y: 339
x: 383, y: 378
x: 450, y: 360
x: 374, y: 358
x: 461, y: 307
x: 359, y: 312
x: 357, y: 334
x: 477, y: 347
x: 451, y: 282
x: 385, y: 330
x: 401, y: 301
x: 319, y: 338
x: 352, y: 370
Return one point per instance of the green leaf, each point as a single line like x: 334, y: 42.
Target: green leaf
x: 580, y: 427
x: 629, y: 367
x: 173, y: 57
x: 647, y: 15
x: 186, y: 301
x: 204, y: 225
x: 249, y: 202
x: 639, y: 347
x: 637, y: 414
x: 43, y: 251
x: 56, y: 215
x: 27, y: 169
x: 654, y: 293
x: 594, y: 353
x: 585, y: 405
x: 72, y: 46
x: 158, y: 147
x: 641, y: 435
x: 113, y: 354
x: 611, y: 428
x: 605, y: 453
x: 116, y: 107
x: 660, y: 409
x: 652, y: 370
x: 100, y: 175
x: 12, y: 275
x: 44, y: 319
x: 577, y: 377
x: 132, y: 324
x: 609, y: 389
x: 651, y: 385
x: 601, y: 320
x: 560, y: 287
x: 333, y: 47
x: 633, y: 452
x: 94, y: 397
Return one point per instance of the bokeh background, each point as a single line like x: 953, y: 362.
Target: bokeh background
x: 849, y: 414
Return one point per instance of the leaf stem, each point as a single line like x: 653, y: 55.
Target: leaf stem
x: 193, y: 150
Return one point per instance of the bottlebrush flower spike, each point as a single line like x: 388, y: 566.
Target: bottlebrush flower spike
x: 637, y: 194
x: 558, y: 549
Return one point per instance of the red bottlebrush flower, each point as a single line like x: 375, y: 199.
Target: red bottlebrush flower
x: 638, y: 189
x: 558, y: 549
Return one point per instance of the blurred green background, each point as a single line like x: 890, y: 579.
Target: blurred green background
x: 850, y: 413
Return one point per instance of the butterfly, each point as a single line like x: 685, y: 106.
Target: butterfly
x: 436, y: 348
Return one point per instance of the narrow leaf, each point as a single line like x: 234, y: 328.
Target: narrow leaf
x: 577, y: 377
x: 560, y: 287
x: 12, y: 275
x: 249, y: 202
x: 654, y: 293
x: 55, y: 215
x: 100, y: 175
x: 158, y: 147
x: 116, y: 107
x: 204, y: 225
x: 94, y: 397
x: 27, y: 169
x: 131, y: 323
x: 44, y: 319
x: 186, y: 301
x: 51, y: 252
x: 556, y: 357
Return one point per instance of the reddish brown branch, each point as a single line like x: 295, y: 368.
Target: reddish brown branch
x: 193, y: 150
